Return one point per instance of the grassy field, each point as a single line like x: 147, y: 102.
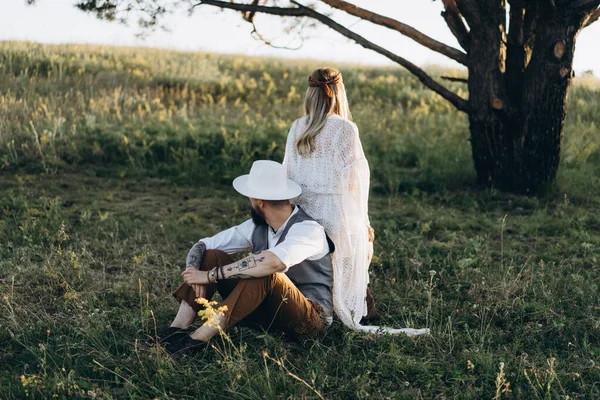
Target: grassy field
x: 114, y: 161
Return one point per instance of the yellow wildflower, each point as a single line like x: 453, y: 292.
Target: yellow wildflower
x: 210, y: 313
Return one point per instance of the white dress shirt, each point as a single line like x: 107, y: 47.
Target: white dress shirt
x: 305, y: 240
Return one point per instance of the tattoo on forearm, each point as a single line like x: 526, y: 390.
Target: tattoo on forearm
x: 195, y: 256
x: 241, y: 276
x: 246, y: 264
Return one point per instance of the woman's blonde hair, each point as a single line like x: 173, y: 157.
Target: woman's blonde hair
x: 325, y: 96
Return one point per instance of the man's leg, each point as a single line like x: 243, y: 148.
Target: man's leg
x: 185, y: 316
x: 287, y: 310
x: 271, y: 302
x: 185, y: 294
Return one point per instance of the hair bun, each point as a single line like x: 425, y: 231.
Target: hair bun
x: 325, y: 84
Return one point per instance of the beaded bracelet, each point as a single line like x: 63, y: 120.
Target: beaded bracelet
x: 222, y: 272
x: 212, y: 275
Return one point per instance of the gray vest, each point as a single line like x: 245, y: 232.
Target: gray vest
x: 313, y: 278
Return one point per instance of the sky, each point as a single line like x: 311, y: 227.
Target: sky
x: 211, y: 30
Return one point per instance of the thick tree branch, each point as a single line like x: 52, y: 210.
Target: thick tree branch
x: 472, y: 13
x: 250, y: 16
x: 398, y: 26
x: 281, y: 11
x: 455, y: 22
x: 592, y: 18
x: 455, y: 79
x: 303, y: 11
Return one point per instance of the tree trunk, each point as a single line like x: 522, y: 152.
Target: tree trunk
x: 487, y: 96
x: 517, y: 104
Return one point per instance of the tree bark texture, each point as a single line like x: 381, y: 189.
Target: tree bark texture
x: 518, y: 92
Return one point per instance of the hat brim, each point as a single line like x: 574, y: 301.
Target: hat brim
x: 240, y: 184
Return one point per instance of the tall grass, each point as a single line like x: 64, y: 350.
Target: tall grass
x: 170, y: 113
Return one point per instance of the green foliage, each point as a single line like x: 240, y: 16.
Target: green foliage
x: 167, y: 114
x: 116, y: 160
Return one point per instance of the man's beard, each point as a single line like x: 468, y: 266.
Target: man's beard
x: 258, y: 217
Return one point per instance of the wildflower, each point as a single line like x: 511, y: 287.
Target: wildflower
x: 32, y: 380
x: 74, y: 260
x: 210, y: 313
x: 470, y: 366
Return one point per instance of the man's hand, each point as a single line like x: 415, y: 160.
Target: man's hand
x: 200, y: 290
x: 371, y: 234
x: 193, y: 277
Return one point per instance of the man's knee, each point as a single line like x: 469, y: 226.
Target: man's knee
x: 257, y: 286
x: 280, y: 279
x: 185, y: 293
x: 213, y: 258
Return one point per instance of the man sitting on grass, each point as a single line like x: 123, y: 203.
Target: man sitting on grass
x: 285, y: 285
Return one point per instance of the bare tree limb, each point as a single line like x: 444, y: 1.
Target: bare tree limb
x: 250, y: 16
x: 455, y: 79
x: 398, y: 26
x: 303, y: 11
x: 281, y: 11
x: 592, y: 18
x: 454, y: 20
x: 258, y: 36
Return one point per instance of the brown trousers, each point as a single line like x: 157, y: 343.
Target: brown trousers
x: 271, y: 302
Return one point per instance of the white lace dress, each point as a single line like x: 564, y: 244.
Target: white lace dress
x: 335, y: 192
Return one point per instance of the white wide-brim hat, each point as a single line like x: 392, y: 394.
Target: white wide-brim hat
x: 267, y: 181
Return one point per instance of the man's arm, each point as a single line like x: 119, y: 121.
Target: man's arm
x: 196, y: 255
x: 263, y: 263
x: 231, y: 240
x: 257, y: 265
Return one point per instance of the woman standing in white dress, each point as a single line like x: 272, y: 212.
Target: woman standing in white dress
x: 325, y: 157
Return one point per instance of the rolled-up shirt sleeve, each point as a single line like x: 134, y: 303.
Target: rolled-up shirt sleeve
x: 232, y: 240
x: 304, y: 241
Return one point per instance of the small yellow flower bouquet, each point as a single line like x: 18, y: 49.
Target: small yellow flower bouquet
x: 210, y: 314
